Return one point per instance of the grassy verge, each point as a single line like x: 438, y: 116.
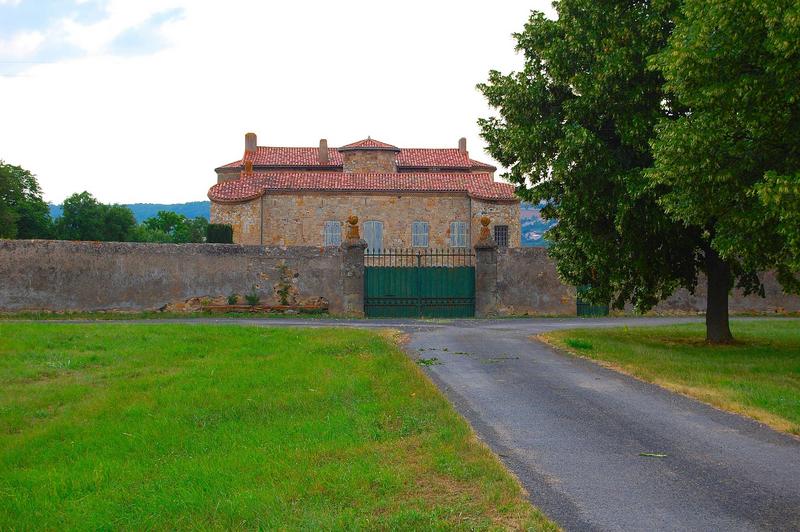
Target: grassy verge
x: 194, y: 427
x: 759, y: 376
x: 152, y: 315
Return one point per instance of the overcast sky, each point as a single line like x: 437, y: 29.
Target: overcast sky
x: 139, y: 100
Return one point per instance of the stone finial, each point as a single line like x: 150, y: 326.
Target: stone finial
x: 462, y: 145
x: 250, y: 142
x: 324, y: 158
x: 352, y: 230
x: 485, y: 235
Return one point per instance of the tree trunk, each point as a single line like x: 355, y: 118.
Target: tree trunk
x: 718, y: 330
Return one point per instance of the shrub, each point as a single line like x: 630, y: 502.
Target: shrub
x: 233, y: 299
x: 252, y: 298
x: 219, y: 234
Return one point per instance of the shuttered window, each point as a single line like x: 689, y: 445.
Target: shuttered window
x: 458, y: 234
x: 373, y: 234
x: 333, y: 233
x: 419, y: 234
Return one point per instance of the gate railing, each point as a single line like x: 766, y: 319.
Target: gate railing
x: 419, y: 257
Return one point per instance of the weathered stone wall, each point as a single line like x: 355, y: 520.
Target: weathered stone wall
x: 527, y: 283
x: 367, y: 161
x: 85, y: 276
x: 774, y: 300
x: 298, y: 219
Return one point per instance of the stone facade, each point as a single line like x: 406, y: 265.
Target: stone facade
x: 288, y: 214
x: 299, y: 219
x: 369, y: 161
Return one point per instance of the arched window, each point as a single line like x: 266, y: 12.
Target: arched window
x: 373, y: 234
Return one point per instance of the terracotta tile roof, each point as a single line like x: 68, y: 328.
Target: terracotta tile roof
x: 478, y: 186
x: 437, y: 157
x: 479, y: 165
x: 406, y: 158
x: 369, y: 144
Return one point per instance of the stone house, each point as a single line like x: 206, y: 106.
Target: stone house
x: 403, y: 197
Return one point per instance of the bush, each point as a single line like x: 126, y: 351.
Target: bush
x: 252, y: 298
x: 233, y: 299
x: 219, y: 234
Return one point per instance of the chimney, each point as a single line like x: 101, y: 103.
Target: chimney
x: 323, y: 151
x: 250, y: 142
x: 462, y: 146
x: 248, y: 167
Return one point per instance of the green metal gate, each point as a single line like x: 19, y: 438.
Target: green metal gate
x: 419, y: 283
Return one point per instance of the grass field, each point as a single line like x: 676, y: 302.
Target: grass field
x: 108, y: 426
x: 759, y: 376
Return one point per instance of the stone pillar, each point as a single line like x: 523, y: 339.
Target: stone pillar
x: 352, y: 270
x: 485, y: 273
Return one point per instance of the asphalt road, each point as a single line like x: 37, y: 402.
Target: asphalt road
x: 573, y: 431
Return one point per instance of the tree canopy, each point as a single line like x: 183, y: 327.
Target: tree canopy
x: 588, y: 125
x: 168, y: 226
x: 85, y: 218
x: 23, y: 212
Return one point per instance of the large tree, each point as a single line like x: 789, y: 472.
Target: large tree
x: 730, y: 163
x: 574, y: 127
x: 591, y: 128
x: 23, y: 212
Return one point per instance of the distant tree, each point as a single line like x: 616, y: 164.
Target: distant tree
x: 168, y: 226
x: 85, y: 218
x: 23, y: 212
x: 730, y: 166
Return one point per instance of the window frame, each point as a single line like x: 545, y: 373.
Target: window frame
x: 326, y: 242
x: 415, y: 234
x: 372, y: 224
x: 454, y: 234
x: 496, y: 239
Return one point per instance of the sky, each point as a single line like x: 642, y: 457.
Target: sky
x: 139, y: 100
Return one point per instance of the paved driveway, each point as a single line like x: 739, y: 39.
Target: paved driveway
x: 572, y: 432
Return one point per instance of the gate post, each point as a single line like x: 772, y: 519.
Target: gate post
x: 352, y: 270
x: 485, y: 273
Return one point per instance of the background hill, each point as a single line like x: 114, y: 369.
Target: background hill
x: 143, y: 211
x: 533, y: 227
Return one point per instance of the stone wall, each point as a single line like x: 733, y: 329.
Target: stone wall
x: 86, y: 276
x: 298, y: 219
x: 527, y: 283
x: 368, y: 161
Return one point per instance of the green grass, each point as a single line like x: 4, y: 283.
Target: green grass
x: 759, y: 376
x: 150, y: 315
x: 109, y: 426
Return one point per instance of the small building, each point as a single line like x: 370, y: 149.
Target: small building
x: 403, y: 197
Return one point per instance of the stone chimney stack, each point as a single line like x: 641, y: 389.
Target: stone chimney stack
x: 250, y: 142
x: 462, y: 146
x: 324, y: 158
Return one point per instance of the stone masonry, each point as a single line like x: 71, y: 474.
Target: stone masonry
x: 294, y: 219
